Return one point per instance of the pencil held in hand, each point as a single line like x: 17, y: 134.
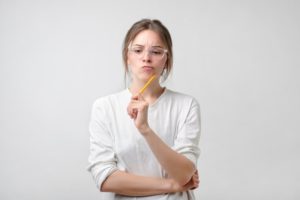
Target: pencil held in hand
x: 147, y: 84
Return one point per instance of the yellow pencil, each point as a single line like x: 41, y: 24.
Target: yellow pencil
x: 147, y: 84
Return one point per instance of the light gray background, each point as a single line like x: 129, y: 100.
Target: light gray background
x: 240, y: 59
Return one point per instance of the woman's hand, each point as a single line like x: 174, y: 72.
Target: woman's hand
x: 138, y: 111
x: 191, y: 185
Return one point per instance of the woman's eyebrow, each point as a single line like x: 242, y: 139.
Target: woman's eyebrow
x: 154, y: 46
x: 157, y: 46
x: 138, y: 45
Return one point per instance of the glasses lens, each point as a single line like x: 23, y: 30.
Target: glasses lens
x: 155, y: 53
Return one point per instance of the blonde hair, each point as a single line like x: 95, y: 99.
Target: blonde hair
x: 153, y: 25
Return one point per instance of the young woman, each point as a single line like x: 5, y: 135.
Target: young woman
x: 144, y: 139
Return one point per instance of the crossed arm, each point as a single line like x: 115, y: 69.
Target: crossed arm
x: 127, y: 184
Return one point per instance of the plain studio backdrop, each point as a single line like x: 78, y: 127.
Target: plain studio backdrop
x: 240, y: 59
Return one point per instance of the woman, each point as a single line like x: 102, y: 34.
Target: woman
x: 144, y: 142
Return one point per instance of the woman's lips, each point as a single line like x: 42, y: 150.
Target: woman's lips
x: 148, y: 68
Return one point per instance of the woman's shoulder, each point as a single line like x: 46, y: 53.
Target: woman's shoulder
x: 181, y: 97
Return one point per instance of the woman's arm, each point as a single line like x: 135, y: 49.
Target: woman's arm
x: 103, y: 165
x: 178, y: 167
x: 127, y: 184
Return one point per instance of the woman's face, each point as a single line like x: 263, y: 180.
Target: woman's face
x: 146, y: 56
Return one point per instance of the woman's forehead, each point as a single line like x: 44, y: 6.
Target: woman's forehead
x: 147, y: 38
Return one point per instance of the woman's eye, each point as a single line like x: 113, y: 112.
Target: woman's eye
x: 156, y: 52
x: 137, y: 50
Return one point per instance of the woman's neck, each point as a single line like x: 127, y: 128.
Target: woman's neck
x: 152, y: 92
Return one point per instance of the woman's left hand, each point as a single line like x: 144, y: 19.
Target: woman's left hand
x: 138, y: 111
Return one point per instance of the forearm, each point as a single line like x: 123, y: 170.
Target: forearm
x: 127, y: 184
x: 177, y: 166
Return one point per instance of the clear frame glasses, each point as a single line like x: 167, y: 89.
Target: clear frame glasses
x: 156, y: 53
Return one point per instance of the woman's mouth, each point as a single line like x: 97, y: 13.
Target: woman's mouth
x: 148, y: 68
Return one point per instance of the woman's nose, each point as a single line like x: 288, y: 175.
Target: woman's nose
x: 146, y: 56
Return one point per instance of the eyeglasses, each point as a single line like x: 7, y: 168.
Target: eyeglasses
x: 156, y: 53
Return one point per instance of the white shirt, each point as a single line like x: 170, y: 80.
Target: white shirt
x: 116, y: 144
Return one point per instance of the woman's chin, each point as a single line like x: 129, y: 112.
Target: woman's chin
x: 145, y: 76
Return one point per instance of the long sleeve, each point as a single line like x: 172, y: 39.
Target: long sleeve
x: 187, y: 139
x: 102, y: 159
x: 116, y: 145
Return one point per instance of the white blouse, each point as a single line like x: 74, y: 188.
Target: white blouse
x: 116, y: 144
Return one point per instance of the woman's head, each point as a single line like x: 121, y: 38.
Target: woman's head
x: 147, y: 28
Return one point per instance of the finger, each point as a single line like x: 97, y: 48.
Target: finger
x: 133, y: 104
x: 135, y: 97
x: 195, y: 187
x: 129, y: 109
x: 139, y: 105
x: 134, y: 113
x: 196, y: 180
x: 195, y: 175
x: 131, y: 112
x: 130, y: 115
x: 140, y: 97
